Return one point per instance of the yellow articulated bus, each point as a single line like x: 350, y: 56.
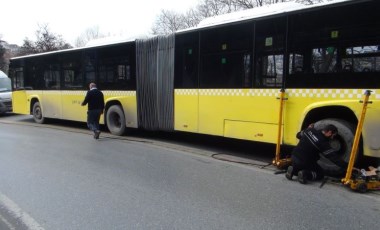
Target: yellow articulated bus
x: 224, y: 76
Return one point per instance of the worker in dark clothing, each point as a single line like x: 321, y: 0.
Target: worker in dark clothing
x: 95, y: 100
x: 306, y: 154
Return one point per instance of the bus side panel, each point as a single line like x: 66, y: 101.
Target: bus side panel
x: 51, y: 103
x: 129, y: 103
x: 294, y: 114
x: 71, y: 106
x: 20, y: 103
x: 186, y: 110
x: 371, y: 130
x: 251, y: 131
x: 259, y: 106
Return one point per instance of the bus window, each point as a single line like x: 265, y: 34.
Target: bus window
x: 296, y: 63
x: 272, y: 70
x: 226, y: 71
x: 362, y: 59
x: 226, y: 57
x: 190, y: 67
x: 72, y: 79
x: 89, y: 66
x: 52, y: 78
x: 113, y: 74
x: 269, y: 48
x: 121, y: 72
x: 186, y: 61
x: 18, y: 79
x: 247, y: 76
x: 114, y: 68
x: 71, y: 65
x: 324, y: 60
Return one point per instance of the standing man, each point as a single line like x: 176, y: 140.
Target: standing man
x: 95, y: 100
x: 306, y: 154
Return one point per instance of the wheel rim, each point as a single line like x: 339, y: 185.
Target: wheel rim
x: 38, y: 113
x: 338, y: 144
x: 115, y: 118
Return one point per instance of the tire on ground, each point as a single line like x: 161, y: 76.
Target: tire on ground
x: 342, y: 143
x: 37, y: 113
x: 115, y: 120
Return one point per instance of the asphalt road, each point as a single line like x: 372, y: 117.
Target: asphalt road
x: 54, y: 177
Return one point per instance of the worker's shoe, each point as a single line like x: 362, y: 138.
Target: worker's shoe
x: 97, y: 134
x: 302, y: 178
x: 289, y: 173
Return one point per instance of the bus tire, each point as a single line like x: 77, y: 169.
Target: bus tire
x: 342, y: 143
x: 37, y: 113
x: 116, y: 120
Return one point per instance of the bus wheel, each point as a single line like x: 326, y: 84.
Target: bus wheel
x: 342, y: 143
x: 37, y: 113
x: 115, y: 120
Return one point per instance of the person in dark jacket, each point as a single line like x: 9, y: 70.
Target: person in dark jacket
x: 305, y: 155
x: 95, y: 100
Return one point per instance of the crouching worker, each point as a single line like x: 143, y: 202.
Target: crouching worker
x: 306, y: 154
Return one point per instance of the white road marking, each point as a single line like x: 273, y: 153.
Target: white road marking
x: 9, y: 225
x: 17, y: 213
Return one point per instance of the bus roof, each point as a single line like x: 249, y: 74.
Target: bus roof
x: 261, y: 12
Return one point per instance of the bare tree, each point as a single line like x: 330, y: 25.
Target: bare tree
x: 46, y: 41
x: 168, y: 22
x: 247, y: 4
x: 310, y: 2
x: 3, y: 59
x: 191, y: 18
x: 88, y: 35
x: 209, y: 8
x: 28, y: 47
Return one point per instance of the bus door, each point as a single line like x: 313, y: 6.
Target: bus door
x: 51, y: 96
x: 19, y: 96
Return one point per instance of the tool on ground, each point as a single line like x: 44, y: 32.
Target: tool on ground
x: 363, y: 180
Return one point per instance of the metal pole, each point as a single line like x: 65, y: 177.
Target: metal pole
x: 355, y: 145
x: 282, y: 98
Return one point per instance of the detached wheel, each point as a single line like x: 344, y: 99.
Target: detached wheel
x: 37, y: 113
x: 115, y: 120
x: 342, y: 143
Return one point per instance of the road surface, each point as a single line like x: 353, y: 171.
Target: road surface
x: 52, y: 177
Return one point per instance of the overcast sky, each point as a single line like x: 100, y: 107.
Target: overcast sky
x: 70, y: 18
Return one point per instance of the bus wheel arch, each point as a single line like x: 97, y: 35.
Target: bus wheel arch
x: 38, y: 113
x: 115, y: 119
